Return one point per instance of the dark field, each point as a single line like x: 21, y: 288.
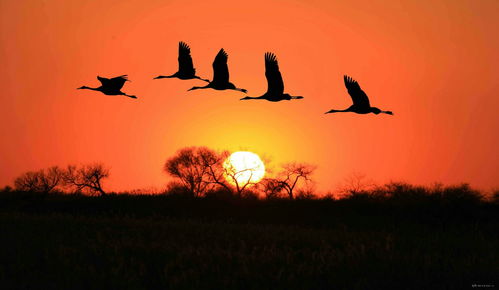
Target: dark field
x: 409, y: 240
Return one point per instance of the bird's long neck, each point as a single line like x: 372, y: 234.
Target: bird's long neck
x: 89, y: 88
x: 165, y: 77
x: 252, y: 98
x: 338, y: 111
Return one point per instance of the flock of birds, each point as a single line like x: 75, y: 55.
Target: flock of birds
x: 220, y: 81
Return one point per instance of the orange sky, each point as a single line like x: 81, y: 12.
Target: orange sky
x: 433, y: 63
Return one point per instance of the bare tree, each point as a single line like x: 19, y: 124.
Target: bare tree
x: 291, y: 175
x: 215, y: 169
x: 28, y: 181
x: 356, y: 183
x: 44, y: 180
x: 191, y: 166
x: 86, y: 177
x: 49, y: 179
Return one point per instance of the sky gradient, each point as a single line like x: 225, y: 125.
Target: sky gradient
x: 433, y: 63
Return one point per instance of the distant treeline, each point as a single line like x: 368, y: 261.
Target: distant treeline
x: 393, y: 202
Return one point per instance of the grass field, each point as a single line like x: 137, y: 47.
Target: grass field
x: 168, y: 242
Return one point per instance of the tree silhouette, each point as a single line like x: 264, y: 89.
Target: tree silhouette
x: 44, y: 180
x: 288, y: 179
x: 191, y: 166
x: 215, y: 169
x: 86, y: 177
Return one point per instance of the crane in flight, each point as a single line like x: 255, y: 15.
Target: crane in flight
x: 220, y: 75
x: 186, y: 70
x: 275, y: 85
x: 360, y: 100
x: 110, y: 86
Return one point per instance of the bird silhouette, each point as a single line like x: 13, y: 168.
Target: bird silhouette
x: 275, y: 85
x: 186, y: 70
x: 220, y: 75
x: 360, y: 100
x: 110, y: 86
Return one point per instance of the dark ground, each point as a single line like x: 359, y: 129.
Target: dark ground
x: 406, y: 239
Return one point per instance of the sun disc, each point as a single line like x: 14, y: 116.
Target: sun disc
x: 244, y: 167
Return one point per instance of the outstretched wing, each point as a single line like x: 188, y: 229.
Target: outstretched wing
x: 359, y: 98
x: 185, y: 65
x: 275, y: 85
x: 114, y: 83
x: 220, y: 68
x: 103, y: 81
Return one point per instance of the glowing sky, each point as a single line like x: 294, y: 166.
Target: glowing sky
x: 433, y: 63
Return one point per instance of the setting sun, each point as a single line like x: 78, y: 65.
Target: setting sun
x: 243, y: 167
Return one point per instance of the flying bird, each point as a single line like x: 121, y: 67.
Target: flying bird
x: 275, y: 85
x: 220, y: 75
x: 360, y: 100
x: 186, y: 70
x: 110, y: 86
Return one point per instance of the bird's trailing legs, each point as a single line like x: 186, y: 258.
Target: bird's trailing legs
x: 240, y: 90
x: 197, y: 88
x: 293, y: 97
x: 336, y: 111
x: 130, y: 96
